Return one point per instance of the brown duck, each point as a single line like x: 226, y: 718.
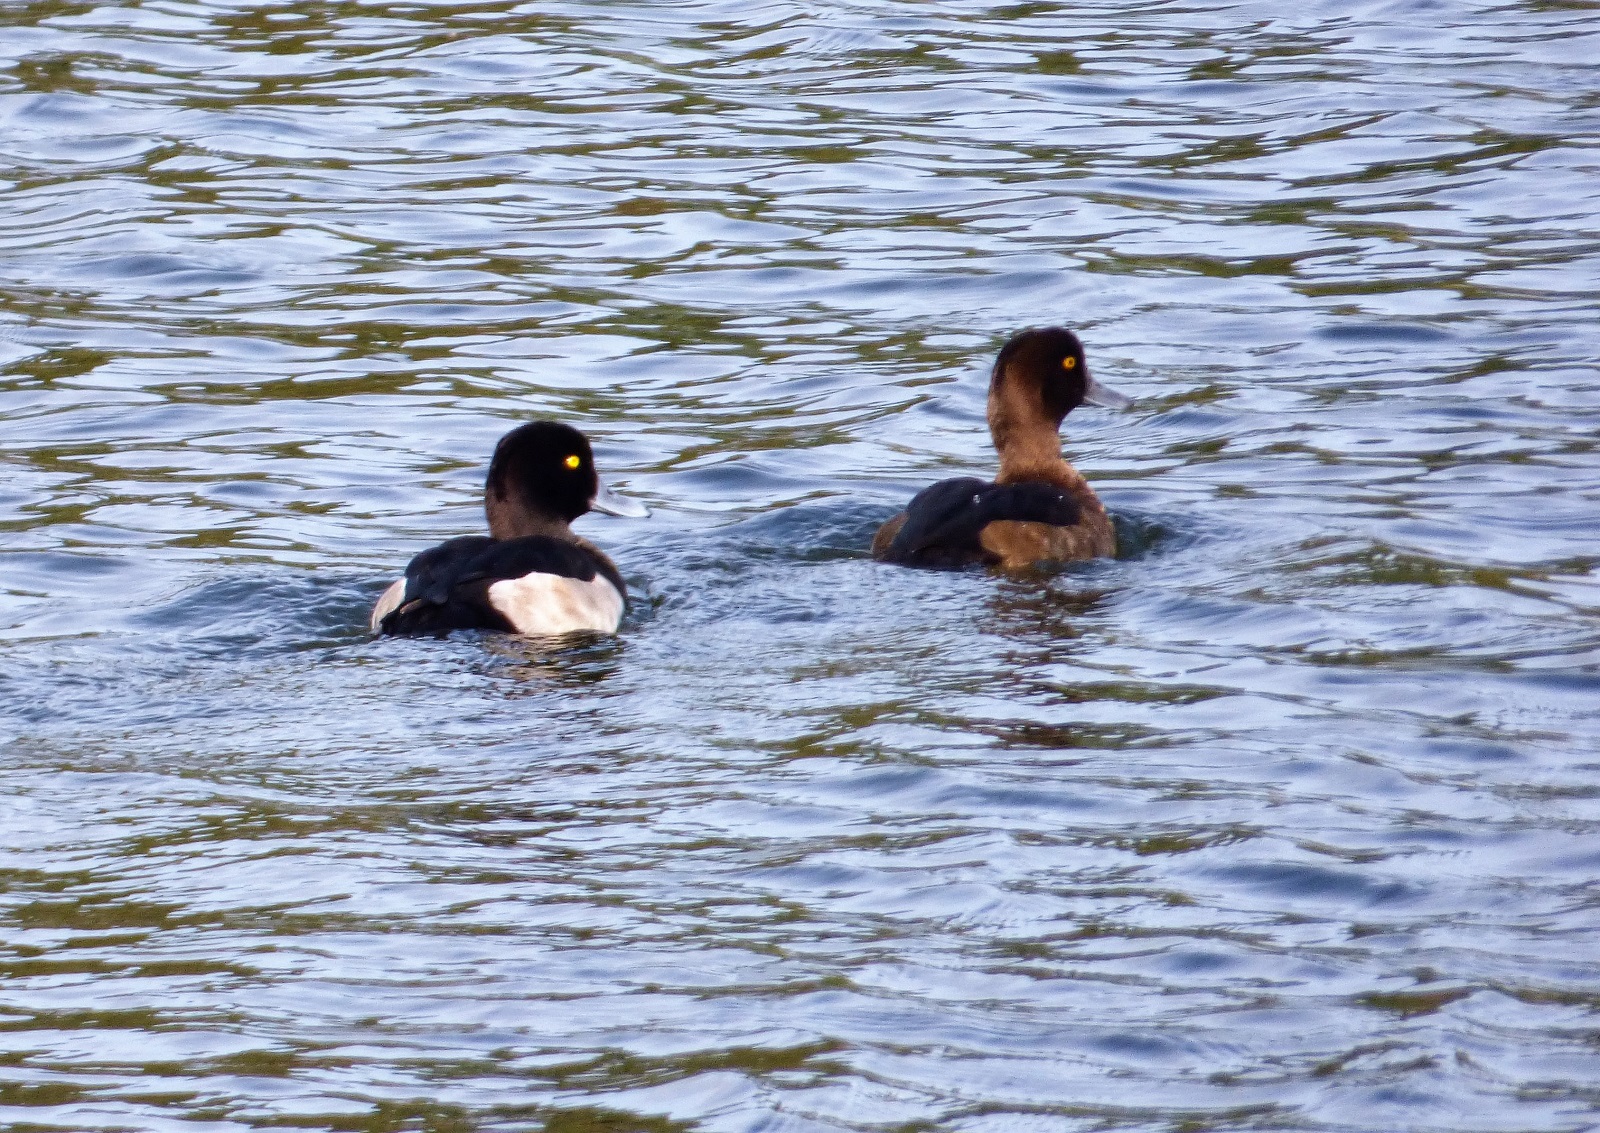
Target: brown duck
x: 1039, y: 508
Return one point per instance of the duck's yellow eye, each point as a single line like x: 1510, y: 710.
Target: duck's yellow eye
x: 1069, y: 363
x: 572, y: 461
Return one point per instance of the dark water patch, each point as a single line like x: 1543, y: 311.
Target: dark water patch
x: 252, y: 612
x: 1322, y: 884
x: 175, y: 271
x: 1413, y: 1003
x: 1140, y: 535
x: 814, y: 531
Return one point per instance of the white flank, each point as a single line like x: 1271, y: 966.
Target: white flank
x: 541, y: 604
x: 390, y: 601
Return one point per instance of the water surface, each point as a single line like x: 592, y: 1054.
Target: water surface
x: 1285, y: 819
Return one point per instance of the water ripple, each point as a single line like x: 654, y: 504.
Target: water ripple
x: 1283, y: 819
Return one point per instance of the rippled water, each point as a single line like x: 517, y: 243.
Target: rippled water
x: 1284, y: 820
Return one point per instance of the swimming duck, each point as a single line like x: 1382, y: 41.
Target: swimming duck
x: 530, y: 574
x: 1039, y: 508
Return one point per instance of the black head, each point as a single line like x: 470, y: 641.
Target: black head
x: 541, y: 471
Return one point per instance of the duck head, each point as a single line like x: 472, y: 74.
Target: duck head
x: 542, y: 477
x: 1040, y: 377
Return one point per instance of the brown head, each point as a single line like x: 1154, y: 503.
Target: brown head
x: 1039, y: 377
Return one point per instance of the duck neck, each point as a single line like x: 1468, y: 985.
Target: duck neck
x: 510, y: 517
x: 1031, y: 453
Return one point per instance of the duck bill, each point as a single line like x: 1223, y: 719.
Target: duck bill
x: 613, y: 504
x: 1105, y: 397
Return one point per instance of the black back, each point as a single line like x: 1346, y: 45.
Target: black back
x: 943, y: 520
x: 447, y: 587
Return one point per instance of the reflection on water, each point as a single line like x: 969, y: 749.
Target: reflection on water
x: 1283, y: 819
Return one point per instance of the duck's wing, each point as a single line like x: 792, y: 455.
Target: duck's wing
x: 447, y: 587
x: 943, y: 521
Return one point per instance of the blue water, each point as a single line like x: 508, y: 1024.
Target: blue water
x: 1285, y: 819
